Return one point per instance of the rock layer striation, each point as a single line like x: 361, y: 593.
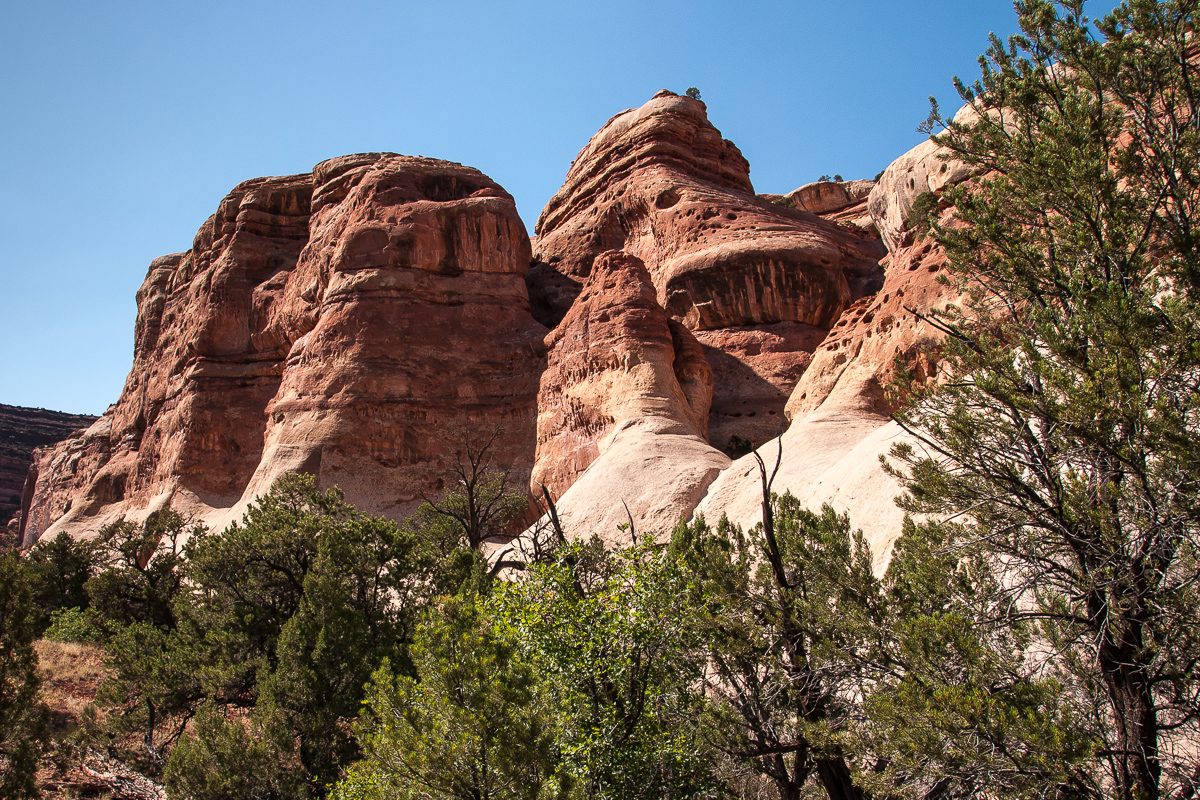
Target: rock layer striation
x: 335, y: 323
x: 757, y: 282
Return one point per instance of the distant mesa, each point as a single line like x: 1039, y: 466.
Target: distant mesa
x: 22, y: 430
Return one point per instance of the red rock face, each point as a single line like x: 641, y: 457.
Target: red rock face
x: 335, y: 323
x: 754, y: 371
x: 856, y: 363
x: 22, y: 430
x: 616, y: 356
x: 756, y: 281
x: 407, y: 315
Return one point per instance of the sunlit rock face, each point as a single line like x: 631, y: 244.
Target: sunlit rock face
x: 358, y: 321
x: 660, y: 183
x: 616, y: 357
x: 339, y: 323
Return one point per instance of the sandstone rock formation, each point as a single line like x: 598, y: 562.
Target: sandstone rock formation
x: 660, y: 183
x: 839, y: 409
x: 824, y: 197
x: 925, y: 168
x: 616, y: 357
x: 344, y: 322
x: 22, y: 430
x: 334, y: 323
x: 623, y: 402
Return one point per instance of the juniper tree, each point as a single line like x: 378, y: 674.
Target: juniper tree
x: 1064, y: 444
x: 24, y: 718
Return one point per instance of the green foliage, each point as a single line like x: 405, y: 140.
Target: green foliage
x: 287, y: 614
x: 58, y: 571
x: 605, y: 630
x: 232, y: 759
x: 24, y: 719
x: 789, y: 613
x: 921, y: 217
x: 142, y: 572
x: 75, y: 625
x: 1067, y: 448
x: 693, y: 93
x: 952, y: 706
x: 470, y: 725
x: 360, y: 603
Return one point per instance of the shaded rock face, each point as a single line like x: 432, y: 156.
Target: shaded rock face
x: 332, y: 323
x: 838, y: 411
x: 855, y: 364
x: 616, y: 357
x: 660, y: 183
x: 22, y: 431
x: 754, y: 370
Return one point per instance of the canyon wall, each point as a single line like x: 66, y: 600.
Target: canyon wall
x: 22, y: 430
x: 342, y: 323
x: 358, y: 321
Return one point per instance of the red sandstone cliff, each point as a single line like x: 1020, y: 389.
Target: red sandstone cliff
x: 758, y: 283
x: 343, y: 321
x: 336, y: 323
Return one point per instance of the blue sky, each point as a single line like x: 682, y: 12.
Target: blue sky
x: 125, y: 123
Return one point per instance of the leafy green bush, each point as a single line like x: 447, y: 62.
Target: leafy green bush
x: 75, y: 625
x: 472, y: 723
x: 232, y: 759
x: 58, y: 571
x: 24, y: 719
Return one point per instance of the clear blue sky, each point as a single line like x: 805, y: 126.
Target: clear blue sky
x: 123, y: 124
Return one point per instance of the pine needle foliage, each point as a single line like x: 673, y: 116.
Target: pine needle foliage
x: 1064, y: 444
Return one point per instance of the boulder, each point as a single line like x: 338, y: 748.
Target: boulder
x: 825, y: 197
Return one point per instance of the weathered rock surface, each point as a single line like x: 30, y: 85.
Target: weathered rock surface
x: 754, y: 369
x: 757, y: 282
x: 406, y: 316
x: 922, y: 169
x: 839, y: 408
x: 333, y: 323
x: 22, y: 430
x: 660, y: 183
x: 824, y: 197
x: 654, y: 466
x: 855, y: 364
x: 616, y: 357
